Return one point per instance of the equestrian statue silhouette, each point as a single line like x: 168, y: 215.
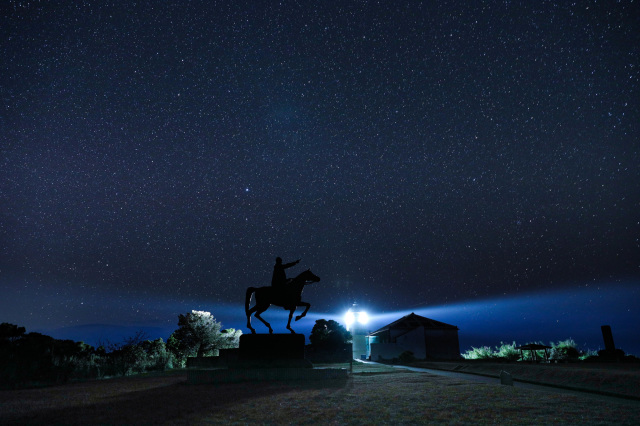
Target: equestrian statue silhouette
x: 288, y: 296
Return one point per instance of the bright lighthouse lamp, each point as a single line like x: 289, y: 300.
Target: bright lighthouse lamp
x: 351, y: 317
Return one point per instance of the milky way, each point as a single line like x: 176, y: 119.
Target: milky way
x: 409, y: 153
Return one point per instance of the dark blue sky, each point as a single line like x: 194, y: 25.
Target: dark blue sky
x: 412, y: 154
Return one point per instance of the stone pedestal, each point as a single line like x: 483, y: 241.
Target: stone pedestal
x: 271, y: 351
x: 271, y: 346
x: 266, y: 357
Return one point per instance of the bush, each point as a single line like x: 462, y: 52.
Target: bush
x: 406, y: 357
x: 507, y: 352
x: 588, y: 354
x: 156, y: 355
x: 483, y: 352
x: 564, y: 350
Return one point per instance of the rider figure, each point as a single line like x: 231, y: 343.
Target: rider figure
x: 279, y: 278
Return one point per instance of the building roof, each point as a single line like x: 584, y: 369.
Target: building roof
x: 411, y: 321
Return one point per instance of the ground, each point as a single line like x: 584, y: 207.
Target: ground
x: 373, y: 394
x: 605, y: 378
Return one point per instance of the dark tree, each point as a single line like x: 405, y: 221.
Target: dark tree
x: 124, y: 358
x: 156, y: 355
x: 329, y: 335
x: 10, y: 332
x: 199, y: 334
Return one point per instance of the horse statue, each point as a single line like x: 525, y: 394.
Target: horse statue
x: 289, y: 297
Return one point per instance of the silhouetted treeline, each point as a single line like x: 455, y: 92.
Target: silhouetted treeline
x: 34, y: 359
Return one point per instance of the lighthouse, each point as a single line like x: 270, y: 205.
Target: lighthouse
x: 356, y: 321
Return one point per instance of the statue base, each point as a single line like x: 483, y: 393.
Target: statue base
x: 271, y: 351
x: 271, y: 346
x: 264, y: 358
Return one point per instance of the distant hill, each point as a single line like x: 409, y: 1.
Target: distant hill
x: 96, y: 334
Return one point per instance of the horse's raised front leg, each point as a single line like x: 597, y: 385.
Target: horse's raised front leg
x: 249, y: 312
x: 289, y: 322
x: 306, y: 309
x: 257, y: 315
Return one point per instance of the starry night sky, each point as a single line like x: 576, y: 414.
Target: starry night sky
x: 155, y: 157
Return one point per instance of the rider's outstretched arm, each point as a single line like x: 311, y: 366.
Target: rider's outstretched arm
x: 289, y: 265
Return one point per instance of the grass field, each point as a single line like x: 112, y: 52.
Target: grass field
x: 609, y: 378
x: 373, y: 394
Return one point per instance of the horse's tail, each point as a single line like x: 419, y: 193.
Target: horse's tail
x: 247, y: 299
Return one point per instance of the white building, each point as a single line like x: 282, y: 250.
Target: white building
x: 424, y: 337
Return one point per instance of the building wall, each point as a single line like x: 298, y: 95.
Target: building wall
x: 424, y: 343
x: 385, y: 351
x: 412, y: 341
x: 442, y: 344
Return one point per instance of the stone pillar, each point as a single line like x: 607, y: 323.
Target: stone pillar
x: 608, y: 338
